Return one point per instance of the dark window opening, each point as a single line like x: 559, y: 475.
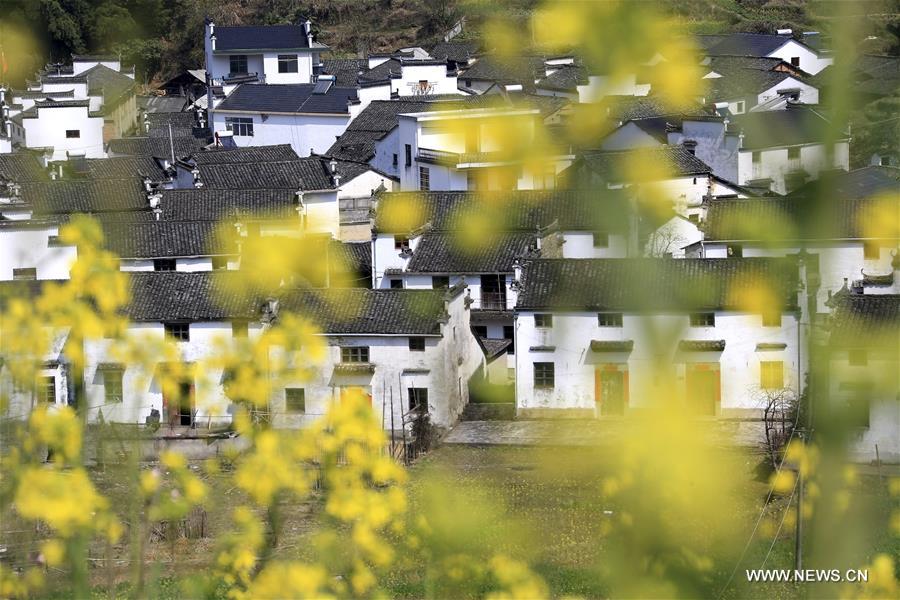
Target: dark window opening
x: 240, y: 126
x: 509, y: 334
x: 237, y: 64
x: 424, y: 179
x: 795, y: 61
x: 601, y: 239
x: 396, y: 160
x: 355, y: 354
x: 735, y: 251
x: 544, y: 375
x: 480, y: 330
x: 418, y: 399
x: 27, y: 274
x: 543, y: 320
x: 73, y: 133
x: 295, y: 401
x: 219, y: 263
x: 757, y: 158
x: 180, y: 332
x: 771, y: 318
x: 793, y: 153
x: 493, y: 292
x: 239, y: 329
x: 401, y: 242
x: 408, y: 155
x: 396, y: 284
x: 287, y: 63
x: 417, y: 344
x: 609, y: 319
x: 112, y: 385
x: 46, y: 390
x: 703, y: 319
x: 163, y: 264
x: 440, y: 282
x: 871, y: 250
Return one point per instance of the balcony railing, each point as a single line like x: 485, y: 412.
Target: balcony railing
x: 492, y: 301
x: 441, y: 157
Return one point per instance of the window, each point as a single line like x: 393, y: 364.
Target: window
x: 408, y: 149
x: 163, y: 264
x: 771, y: 318
x: 739, y: 107
x: 757, y: 158
x: 734, y: 250
x: 401, y: 242
x: 467, y: 82
x: 793, y: 153
x: 424, y: 179
x: 295, y: 401
x: 795, y: 61
x: 242, y: 126
x: 601, y: 239
x: 73, y: 133
x: 239, y: 329
x: 180, y: 332
x: 509, y: 334
x: 703, y: 319
x: 609, y: 319
x: 858, y: 357
x: 871, y: 250
x: 396, y: 284
x: 771, y: 374
x: 219, y: 263
x: 480, y: 330
x: 440, y: 282
x: 287, y: 63
x: 112, y: 385
x: 237, y: 64
x: 543, y: 375
x: 418, y: 399
x: 355, y: 354
x: 396, y: 160
x: 46, y: 390
x: 417, y: 344
x: 543, y: 320
x: 28, y: 274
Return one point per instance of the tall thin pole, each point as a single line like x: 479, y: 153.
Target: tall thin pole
x: 798, y: 531
x: 171, y: 144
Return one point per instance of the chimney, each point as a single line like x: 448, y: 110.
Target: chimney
x: 212, y: 42
x: 154, y: 200
x: 147, y: 184
x: 146, y: 122
x: 196, y: 173
x: 517, y: 270
x: 332, y: 164
x: 784, y: 31
x: 307, y: 27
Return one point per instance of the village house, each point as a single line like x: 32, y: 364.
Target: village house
x: 843, y: 244
x: 407, y: 351
x: 864, y: 390
x: 804, y: 54
x: 749, y: 83
x: 606, y: 337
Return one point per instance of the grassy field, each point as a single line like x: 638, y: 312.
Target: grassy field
x: 541, y: 505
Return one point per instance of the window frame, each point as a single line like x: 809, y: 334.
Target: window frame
x: 424, y: 179
x: 740, y: 107
x: 408, y: 156
x: 180, y: 331
x: 239, y: 58
x: 769, y: 318
x: 115, y: 377
x: 600, y: 239
x: 702, y: 319
x: 793, y: 150
x: 240, y: 126
x: 219, y: 263
x: 416, y: 344
x: 286, y: 60
x: 543, y: 320
x: 420, y: 395
x: 756, y: 157
x: 396, y: 284
x: 440, y: 282
x: 46, y: 390
x: 290, y: 405
x: 25, y: 274
x: 160, y: 265
x: 871, y: 250
x: 544, y: 375
x: 70, y: 132
x: 610, y: 319
x: 355, y: 355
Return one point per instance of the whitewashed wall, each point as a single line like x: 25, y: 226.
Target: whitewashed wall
x: 27, y: 246
x: 304, y: 133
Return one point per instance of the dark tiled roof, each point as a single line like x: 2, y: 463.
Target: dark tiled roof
x: 565, y: 79
x: 386, y: 70
x: 183, y: 124
x: 365, y: 311
x: 492, y: 347
x: 627, y: 108
x: 161, y: 239
x: 345, y: 70
x: 199, y: 296
x: 276, y: 153
x: 743, y: 82
x: 727, y: 64
x: 217, y: 205
x: 637, y: 284
x: 21, y: 167
x: 310, y: 173
x: 524, y: 70
x: 458, y: 51
x: 772, y: 128
x: 701, y: 345
x: 261, y: 37
x: 369, y: 126
x: 612, y: 346
x: 71, y: 196
x: 866, y: 320
x: 357, y: 256
x: 748, y: 44
x: 858, y: 183
x: 156, y: 146
x: 522, y: 210
x: 793, y: 218
x: 447, y: 253
x: 111, y: 85
x: 163, y: 104
x: 124, y: 167
x: 612, y: 165
x: 288, y: 98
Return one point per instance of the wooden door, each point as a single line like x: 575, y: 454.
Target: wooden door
x: 611, y: 390
x: 703, y: 389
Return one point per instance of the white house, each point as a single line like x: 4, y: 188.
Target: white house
x: 863, y: 383
x: 309, y: 117
x: 60, y: 129
x: 750, y: 83
x: 413, y: 76
x: 604, y: 337
x: 31, y: 250
x: 404, y: 349
x: 262, y: 53
x: 473, y: 149
x: 837, y: 233
x: 780, y: 45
